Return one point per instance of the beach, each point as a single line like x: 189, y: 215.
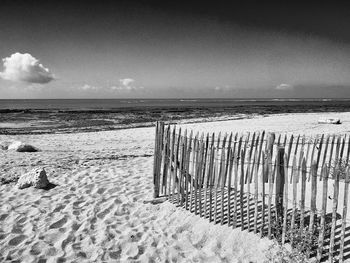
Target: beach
x: 96, y: 211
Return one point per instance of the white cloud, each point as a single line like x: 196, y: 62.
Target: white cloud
x: 126, y: 82
x: 89, y: 87
x: 223, y: 88
x: 126, y: 85
x: 284, y: 86
x: 25, y: 68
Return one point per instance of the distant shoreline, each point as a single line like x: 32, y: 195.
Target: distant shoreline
x: 109, y: 115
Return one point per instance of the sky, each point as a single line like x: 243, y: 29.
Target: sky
x: 163, y: 49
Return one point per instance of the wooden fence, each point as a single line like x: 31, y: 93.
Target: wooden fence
x: 291, y: 188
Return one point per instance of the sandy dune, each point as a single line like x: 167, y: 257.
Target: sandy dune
x: 96, y: 211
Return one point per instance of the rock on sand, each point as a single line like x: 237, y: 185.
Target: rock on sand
x: 36, y: 178
x: 21, y: 147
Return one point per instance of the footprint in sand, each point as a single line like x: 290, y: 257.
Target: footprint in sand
x: 101, y: 190
x: 17, y: 240
x: 106, y: 211
x: 77, y: 204
x: 3, y: 217
x: 59, y: 223
x: 16, y: 229
x: 21, y: 220
x: 59, y: 208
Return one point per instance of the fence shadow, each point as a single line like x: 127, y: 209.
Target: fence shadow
x: 197, y: 172
x: 219, y: 207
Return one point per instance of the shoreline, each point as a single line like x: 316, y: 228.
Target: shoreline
x: 17, y: 129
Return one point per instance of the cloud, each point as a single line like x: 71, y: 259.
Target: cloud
x: 25, y: 68
x: 89, y: 87
x: 223, y: 88
x: 126, y: 82
x: 284, y: 86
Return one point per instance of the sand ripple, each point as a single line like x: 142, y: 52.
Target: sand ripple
x: 96, y: 212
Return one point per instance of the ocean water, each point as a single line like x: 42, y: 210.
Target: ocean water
x: 81, y: 115
x: 112, y: 104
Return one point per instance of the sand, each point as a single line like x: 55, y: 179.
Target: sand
x: 96, y: 211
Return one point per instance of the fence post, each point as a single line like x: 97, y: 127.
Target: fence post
x: 279, y: 183
x: 155, y: 160
x: 269, y: 149
x: 157, y: 157
x: 270, y: 141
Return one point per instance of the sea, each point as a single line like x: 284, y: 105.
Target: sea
x: 85, y: 115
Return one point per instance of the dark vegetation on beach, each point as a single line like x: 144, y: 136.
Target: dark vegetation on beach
x: 39, y: 121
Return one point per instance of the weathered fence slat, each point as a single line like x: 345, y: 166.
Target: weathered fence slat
x: 296, y: 146
x: 171, y: 165
x: 159, y: 159
x: 212, y: 174
x: 325, y: 154
x: 331, y: 153
x: 342, y: 149
x: 230, y: 158
x: 248, y: 192
x: 222, y: 184
x: 294, y: 181
x: 189, y: 178
x: 155, y: 161
x: 206, y: 174
x: 336, y: 157
x: 183, y: 176
x: 348, y: 153
x: 282, y: 144
x: 285, y: 212
x: 269, y: 147
x: 241, y: 194
x: 313, y: 199
x: 290, y: 146
x: 264, y: 175
x: 307, y: 152
x: 256, y: 196
x: 312, y: 155
x: 249, y: 157
x: 345, y: 210
x: 301, y: 156
x: 260, y: 149
x: 235, y: 183
x: 319, y: 150
x: 222, y: 160
x: 166, y: 160
x: 224, y: 181
x: 227, y: 157
x: 302, y: 197
x: 193, y: 172
x: 168, y: 173
x: 334, y: 216
x: 216, y: 190
x: 256, y: 149
x: 279, y: 183
x: 181, y: 173
x: 323, y: 212
x: 176, y: 159
x: 269, y: 209
x: 197, y: 175
x: 200, y: 173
